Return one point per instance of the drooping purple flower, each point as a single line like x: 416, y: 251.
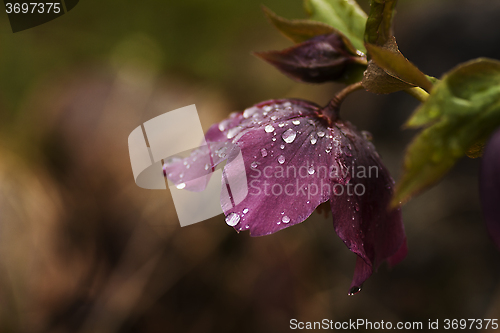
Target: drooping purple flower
x: 489, y: 187
x: 317, y: 60
x: 296, y: 156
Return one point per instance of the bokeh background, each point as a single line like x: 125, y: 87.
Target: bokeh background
x: 83, y: 249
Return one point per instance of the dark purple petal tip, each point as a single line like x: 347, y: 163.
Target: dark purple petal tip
x: 489, y: 187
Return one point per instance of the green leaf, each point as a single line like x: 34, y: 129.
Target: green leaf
x: 468, y: 86
x: 396, y: 65
x: 344, y: 15
x: 297, y: 30
x: 379, y: 24
x: 379, y: 81
x: 461, y: 112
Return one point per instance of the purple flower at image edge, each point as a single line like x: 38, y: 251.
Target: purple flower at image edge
x: 489, y: 187
x: 296, y: 156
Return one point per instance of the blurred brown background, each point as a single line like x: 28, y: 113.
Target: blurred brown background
x: 83, y: 249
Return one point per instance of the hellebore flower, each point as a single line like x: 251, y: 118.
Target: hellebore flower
x: 489, y: 187
x: 296, y: 156
x: 317, y: 60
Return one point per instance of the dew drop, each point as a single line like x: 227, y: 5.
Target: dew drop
x: 281, y: 124
x: 354, y: 291
x: 289, y: 135
x: 287, y: 104
x: 181, y: 186
x: 249, y: 112
x: 296, y: 122
x: 268, y: 108
x: 263, y: 152
x: 269, y: 128
x: 274, y: 139
x: 310, y: 170
x: 245, y: 210
x: 223, y: 125
x: 313, y: 140
x: 232, y: 219
x: 207, y: 166
x: 281, y: 159
x: 221, y: 152
x: 233, y: 132
x: 285, y: 219
x: 282, y: 146
x: 274, y: 117
x: 321, y: 134
x: 253, y: 165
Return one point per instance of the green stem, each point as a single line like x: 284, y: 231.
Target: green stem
x: 341, y: 95
x: 331, y: 111
x: 418, y: 93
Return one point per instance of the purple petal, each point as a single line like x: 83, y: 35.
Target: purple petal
x: 360, y: 214
x: 281, y: 154
x: 489, y: 187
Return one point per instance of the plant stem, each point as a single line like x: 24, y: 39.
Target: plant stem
x: 341, y: 95
x: 331, y: 111
x: 418, y: 93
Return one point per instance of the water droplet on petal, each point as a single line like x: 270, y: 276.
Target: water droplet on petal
x: 268, y: 108
x: 281, y: 159
x: 289, y: 135
x: 287, y: 104
x: 274, y: 139
x: 285, y: 219
x: 269, y: 128
x: 296, y: 122
x: 354, y: 291
x: 310, y: 170
x: 223, y: 125
x: 313, y: 140
x: 282, y: 146
x: 221, y: 152
x: 233, y: 132
x: 245, y: 210
x: 232, y: 219
x: 249, y: 112
x: 274, y: 117
x: 253, y: 165
x: 281, y: 124
x: 181, y: 186
x: 321, y: 134
x: 207, y: 166
x: 263, y: 152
